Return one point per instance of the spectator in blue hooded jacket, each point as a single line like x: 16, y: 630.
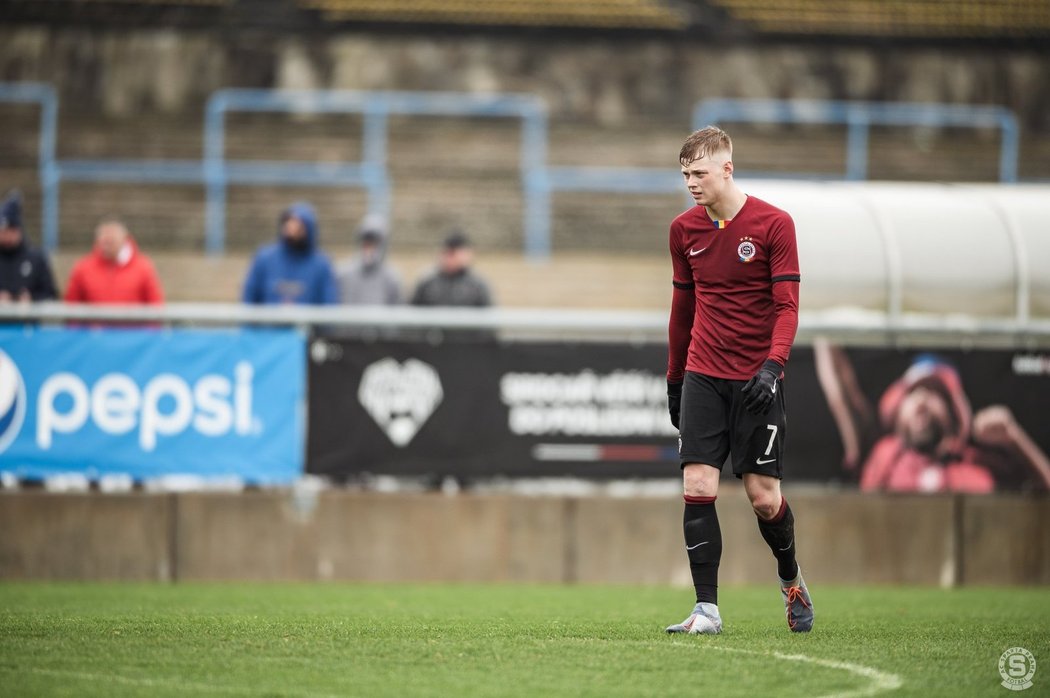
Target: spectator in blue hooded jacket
x: 293, y: 269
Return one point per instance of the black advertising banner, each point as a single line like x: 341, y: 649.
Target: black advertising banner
x: 883, y: 419
x: 485, y: 409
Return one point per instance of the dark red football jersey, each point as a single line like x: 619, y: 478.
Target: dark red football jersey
x: 736, y: 291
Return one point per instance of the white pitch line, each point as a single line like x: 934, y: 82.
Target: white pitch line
x: 160, y: 683
x: 880, y: 680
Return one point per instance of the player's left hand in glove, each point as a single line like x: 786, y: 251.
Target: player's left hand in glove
x: 674, y: 402
x: 762, y: 388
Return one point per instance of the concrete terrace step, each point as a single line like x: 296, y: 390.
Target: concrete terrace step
x: 447, y: 172
x: 610, y: 280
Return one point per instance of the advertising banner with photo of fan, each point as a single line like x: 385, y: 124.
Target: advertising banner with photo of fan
x: 879, y: 419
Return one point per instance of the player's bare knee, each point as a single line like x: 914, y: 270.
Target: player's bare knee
x: 700, y: 480
x: 765, y: 501
x: 765, y: 506
x: 764, y: 494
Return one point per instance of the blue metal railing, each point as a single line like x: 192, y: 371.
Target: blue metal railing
x: 43, y: 95
x: 539, y: 181
x: 371, y: 173
x: 859, y: 117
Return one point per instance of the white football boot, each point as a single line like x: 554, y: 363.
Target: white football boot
x: 704, y: 620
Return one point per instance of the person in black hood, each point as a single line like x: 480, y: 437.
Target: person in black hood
x: 25, y: 274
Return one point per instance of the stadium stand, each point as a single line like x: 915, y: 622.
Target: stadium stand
x: 959, y: 21
x: 110, y: 9
x: 635, y: 14
x: 612, y: 103
x: 446, y: 172
x: 217, y: 3
x: 115, y: 11
x: 962, y: 19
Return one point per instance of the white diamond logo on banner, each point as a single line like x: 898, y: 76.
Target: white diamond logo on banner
x: 400, y: 396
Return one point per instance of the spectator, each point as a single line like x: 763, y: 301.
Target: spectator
x: 25, y: 274
x: 366, y: 278
x: 293, y: 269
x: 453, y: 283
x: 115, y: 271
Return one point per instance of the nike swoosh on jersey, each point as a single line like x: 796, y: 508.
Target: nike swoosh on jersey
x: 693, y: 254
x: 763, y: 462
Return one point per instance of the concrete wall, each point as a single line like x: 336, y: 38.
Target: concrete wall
x: 604, y: 80
x: 49, y: 536
x: 843, y: 538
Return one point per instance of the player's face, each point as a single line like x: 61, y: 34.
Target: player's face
x: 706, y: 178
x: 924, y: 419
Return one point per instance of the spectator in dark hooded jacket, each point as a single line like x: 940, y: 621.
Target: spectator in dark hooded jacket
x: 366, y: 278
x: 453, y: 282
x: 293, y: 269
x: 25, y: 274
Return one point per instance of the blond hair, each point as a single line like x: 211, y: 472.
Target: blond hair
x: 705, y: 142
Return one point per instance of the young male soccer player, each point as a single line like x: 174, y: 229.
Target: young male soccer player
x: 733, y: 318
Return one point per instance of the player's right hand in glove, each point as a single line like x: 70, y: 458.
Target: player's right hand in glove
x: 674, y: 402
x: 762, y: 388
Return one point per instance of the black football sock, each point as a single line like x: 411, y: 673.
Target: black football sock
x: 779, y: 534
x: 703, y: 543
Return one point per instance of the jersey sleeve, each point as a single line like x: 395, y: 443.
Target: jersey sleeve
x: 785, y: 278
x: 783, y: 250
x: 683, y: 309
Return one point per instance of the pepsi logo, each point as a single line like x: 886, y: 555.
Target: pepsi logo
x: 12, y: 401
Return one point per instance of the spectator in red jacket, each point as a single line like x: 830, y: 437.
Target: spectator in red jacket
x: 115, y: 271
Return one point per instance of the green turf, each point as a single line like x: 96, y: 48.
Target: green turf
x: 372, y: 640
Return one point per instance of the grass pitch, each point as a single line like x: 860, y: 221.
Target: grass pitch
x: 399, y: 640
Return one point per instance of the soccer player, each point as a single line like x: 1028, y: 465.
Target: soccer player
x: 734, y: 314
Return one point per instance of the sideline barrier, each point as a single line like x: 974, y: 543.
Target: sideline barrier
x: 848, y: 326
x: 850, y: 538
x: 483, y: 394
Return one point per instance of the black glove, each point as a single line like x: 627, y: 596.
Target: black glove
x: 762, y: 388
x: 674, y: 401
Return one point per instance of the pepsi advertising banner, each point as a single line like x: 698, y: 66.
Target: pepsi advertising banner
x: 148, y: 403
